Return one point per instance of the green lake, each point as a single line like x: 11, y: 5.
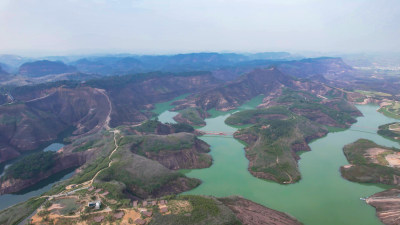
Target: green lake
x: 321, y: 197
x: 8, y: 200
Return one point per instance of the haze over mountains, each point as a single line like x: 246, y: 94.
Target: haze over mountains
x: 125, y: 63
x: 99, y: 106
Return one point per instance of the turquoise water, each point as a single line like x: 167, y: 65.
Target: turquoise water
x: 162, y: 110
x: 38, y: 189
x: 321, y: 197
x: 53, y: 147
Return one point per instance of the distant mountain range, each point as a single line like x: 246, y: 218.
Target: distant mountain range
x: 44, y: 67
x: 125, y: 64
x: 49, y: 109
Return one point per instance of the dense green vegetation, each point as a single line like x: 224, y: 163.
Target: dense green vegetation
x: 271, y: 145
x: 157, y: 143
x: 139, y: 176
x: 148, y: 127
x: 289, y: 95
x: 254, y: 116
x: 17, y: 213
x: 366, y: 169
x: 280, y: 130
x: 193, y: 116
x: 155, y: 126
x: 31, y: 165
x: 391, y: 131
x: 181, y: 127
x: 205, y: 210
x: 310, y: 106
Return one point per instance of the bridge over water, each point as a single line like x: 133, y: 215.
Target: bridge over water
x: 216, y: 133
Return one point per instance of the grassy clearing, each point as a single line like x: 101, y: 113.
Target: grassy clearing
x: 69, y: 206
x: 373, y: 93
x: 311, y: 107
x: 392, y: 110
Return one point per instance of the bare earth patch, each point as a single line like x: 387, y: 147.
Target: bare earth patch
x: 55, y: 206
x: 394, y: 127
x: 373, y: 153
x: 393, y: 160
x: 130, y: 214
x: 179, y: 206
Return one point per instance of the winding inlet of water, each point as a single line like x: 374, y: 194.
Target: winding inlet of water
x: 321, y: 197
x: 38, y: 189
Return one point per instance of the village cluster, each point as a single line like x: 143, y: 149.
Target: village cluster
x: 90, y: 205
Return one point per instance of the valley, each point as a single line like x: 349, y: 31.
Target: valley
x: 128, y: 112
x: 272, y: 135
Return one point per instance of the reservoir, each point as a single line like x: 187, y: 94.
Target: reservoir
x: 8, y: 200
x: 321, y: 197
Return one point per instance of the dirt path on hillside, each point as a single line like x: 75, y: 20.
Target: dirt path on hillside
x: 106, y: 123
x: 45, y: 96
x: 109, y: 157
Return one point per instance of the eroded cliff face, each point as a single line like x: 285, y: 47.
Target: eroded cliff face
x: 249, y: 212
x: 387, y: 205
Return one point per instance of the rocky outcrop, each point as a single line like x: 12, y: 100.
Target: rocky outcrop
x: 387, y: 205
x: 250, y: 213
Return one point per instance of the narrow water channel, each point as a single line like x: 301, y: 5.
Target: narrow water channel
x: 321, y: 197
x: 38, y: 189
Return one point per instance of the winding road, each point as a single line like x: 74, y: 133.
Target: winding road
x: 109, y: 157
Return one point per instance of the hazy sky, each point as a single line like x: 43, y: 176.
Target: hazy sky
x: 170, y: 26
